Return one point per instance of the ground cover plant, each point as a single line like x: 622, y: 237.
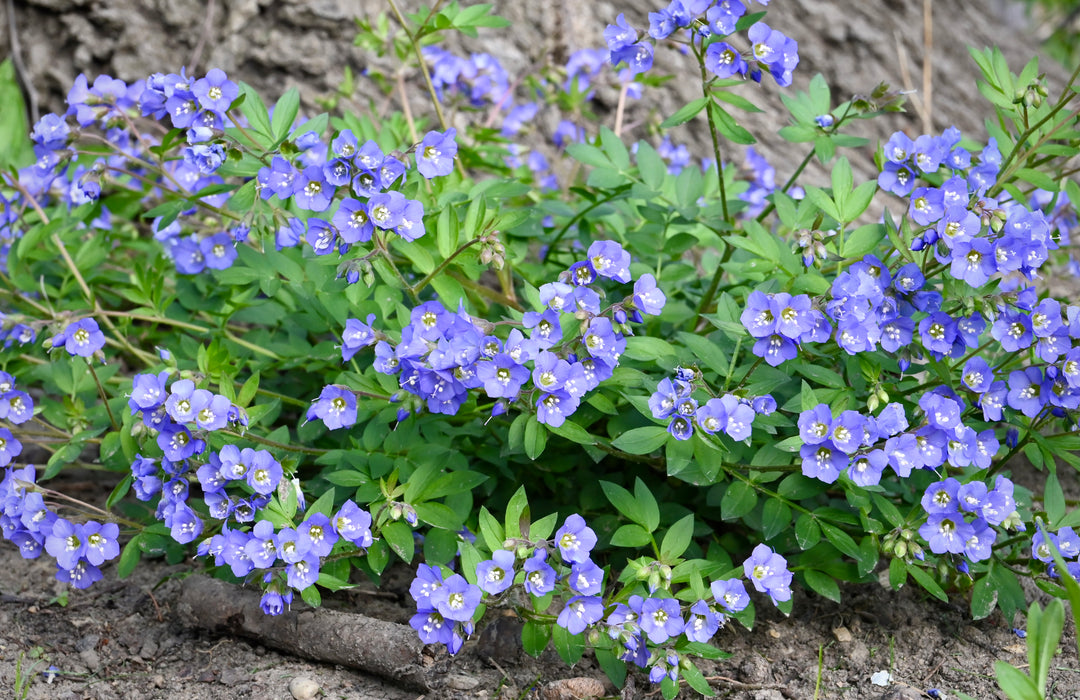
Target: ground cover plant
x: 620, y: 391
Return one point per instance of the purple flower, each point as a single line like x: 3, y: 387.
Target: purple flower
x: 638, y: 57
x: 865, y: 470
x: 610, y: 260
x: 456, y: 599
x: 10, y: 447
x: 387, y: 209
x: 435, y: 154
x: 354, y: 524
x: 702, y: 622
x: 495, y: 575
x: 303, y: 573
x: 661, y: 619
x: 648, y: 298
x: 319, y: 533
x: 82, y: 338
x: 575, y: 539
x: 353, y: 221
x: 586, y: 578
x: 66, y: 543
x: 357, y: 335
x: 580, y: 612
x: 619, y: 35
x: 502, y: 377
x: 539, y: 576
x: 336, y: 407
x: 724, y: 60
x: 215, y: 91
x: 274, y: 603
x: 768, y: 572
x: 946, y: 532
x: 823, y: 461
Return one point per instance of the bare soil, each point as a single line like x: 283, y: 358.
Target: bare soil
x: 131, y: 639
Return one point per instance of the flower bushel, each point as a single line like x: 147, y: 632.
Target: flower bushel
x: 625, y: 392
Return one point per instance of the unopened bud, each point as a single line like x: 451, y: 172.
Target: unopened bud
x: 395, y: 511
x: 900, y: 549
x: 654, y: 580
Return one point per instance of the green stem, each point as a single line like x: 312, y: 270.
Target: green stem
x: 441, y: 266
x: 274, y: 443
x: 104, y: 396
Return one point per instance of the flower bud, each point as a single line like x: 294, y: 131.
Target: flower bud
x: 654, y: 580
x: 395, y: 511
x: 900, y: 549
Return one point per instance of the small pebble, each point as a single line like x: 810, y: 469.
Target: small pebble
x: 573, y: 689
x: 158, y: 681
x: 459, y: 681
x: 91, y: 660
x: 303, y: 688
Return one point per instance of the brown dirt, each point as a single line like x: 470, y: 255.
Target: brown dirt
x: 128, y: 640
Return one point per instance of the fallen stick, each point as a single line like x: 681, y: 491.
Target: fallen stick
x: 386, y: 649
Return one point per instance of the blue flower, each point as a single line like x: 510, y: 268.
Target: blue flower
x: 495, y: 575
x: 82, y: 338
x: 435, y: 154
x: 580, y: 612
x: 575, y: 539
x: 768, y: 572
x: 456, y: 599
x: 336, y: 407
x: 661, y: 619
x: 539, y: 576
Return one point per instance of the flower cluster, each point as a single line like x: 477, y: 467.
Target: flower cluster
x: 300, y: 550
x: 949, y: 504
x: 781, y: 322
x: 1067, y: 543
x: 235, y: 484
x: 646, y: 627
x: 361, y: 177
x: 79, y: 548
x: 770, y: 50
x: 673, y: 400
x: 442, y: 355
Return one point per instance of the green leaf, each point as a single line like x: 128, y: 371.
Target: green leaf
x: 677, y: 539
x: 652, y: 167
x: 535, y: 637
x: 400, y: 538
x: 569, y: 646
x: 728, y: 127
x: 649, y: 507
x: 439, y: 515
x: 1054, y: 500
x: 841, y: 540
x: 641, y: 441
x: 928, y: 583
x: 685, y: 114
x: 775, y: 518
x: 129, y: 558
x: 324, y: 504
x: 738, y: 500
x: 983, y: 598
x: 535, y: 438
x: 1015, y: 684
x: 630, y: 536
x: 643, y: 347
x: 623, y: 501
x: 613, y: 666
x: 255, y: 110
x: 822, y: 584
x: 491, y: 530
x: 807, y: 531
x: 897, y: 574
x: 288, y: 105
x: 517, y: 512
x: 863, y: 240
x: 16, y: 149
x: 615, y: 149
x: 696, y: 680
